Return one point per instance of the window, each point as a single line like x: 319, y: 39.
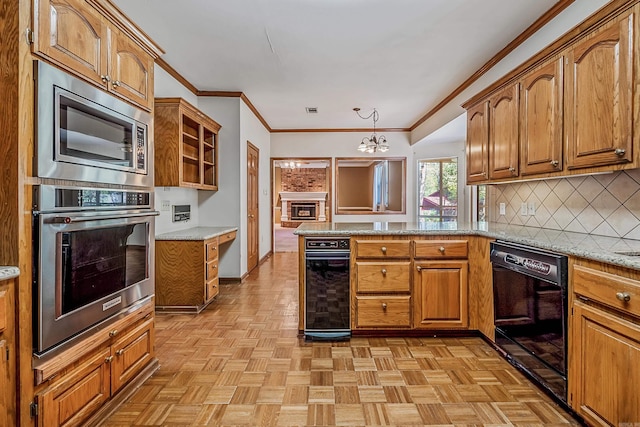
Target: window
x: 438, y: 190
x: 481, y: 203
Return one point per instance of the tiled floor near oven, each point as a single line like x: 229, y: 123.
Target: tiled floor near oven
x: 240, y: 362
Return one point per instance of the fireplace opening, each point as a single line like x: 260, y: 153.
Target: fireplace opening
x: 303, y: 211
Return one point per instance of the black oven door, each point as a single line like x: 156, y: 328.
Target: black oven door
x: 90, y: 266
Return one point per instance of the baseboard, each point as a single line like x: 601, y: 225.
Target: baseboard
x: 232, y: 280
x: 266, y: 257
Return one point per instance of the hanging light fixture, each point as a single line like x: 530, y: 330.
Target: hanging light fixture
x: 374, y: 142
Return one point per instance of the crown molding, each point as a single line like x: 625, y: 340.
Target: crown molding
x: 340, y: 130
x: 539, y: 23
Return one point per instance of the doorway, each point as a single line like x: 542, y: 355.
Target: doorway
x: 298, y: 175
x: 253, y: 246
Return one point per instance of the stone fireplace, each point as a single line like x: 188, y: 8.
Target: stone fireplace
x: 299, y: 206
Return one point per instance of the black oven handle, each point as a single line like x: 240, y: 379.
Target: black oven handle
x: 76, y: 219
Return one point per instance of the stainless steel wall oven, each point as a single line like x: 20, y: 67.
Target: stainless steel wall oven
x: 530, y: 306
x: 93, y: 258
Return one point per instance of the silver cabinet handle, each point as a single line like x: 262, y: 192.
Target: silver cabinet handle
x: 620, y: 152
x: 384, y: 305
x: 115, y: 83
x: 418, y: 268
x: 441, y: 249
x: 113, y: 333
x: 108, y: 359
x: 384, y: 271
x: 512, y: 170
x: 104, y: 78
x: 120, y: 352
x: 554, y: 163
x: 623, y: 296
x: 384, y: 249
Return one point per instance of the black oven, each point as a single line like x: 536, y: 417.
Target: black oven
x: 530, y: 307
x: 93, y: 257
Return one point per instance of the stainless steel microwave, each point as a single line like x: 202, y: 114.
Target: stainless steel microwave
x: 86, y: 134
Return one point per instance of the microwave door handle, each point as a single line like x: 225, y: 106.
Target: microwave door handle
x: 71, y: 220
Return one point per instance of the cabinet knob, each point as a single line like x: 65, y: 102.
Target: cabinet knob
x: 120, y: 352
x: 108, y: 359
x: 512, y: 170
x: 115, y: 83
x: 104, y: 78
x: 441, y: 249
x: 113, y: 333
x: 554, y: 163
x: 384, y: 249
x: 384, y: 305
x: 620, y: 152
x: 384, y: 271
x: 418, y: 268
x: 623, y: 296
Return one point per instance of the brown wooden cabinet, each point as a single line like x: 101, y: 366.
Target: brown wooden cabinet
x: 8, y: 375
x: 79, y: 38
x: 541, y: 116
x: 187, y: 272
x: 75, y: 385
x: 600, y: 94
x: 440, y: 289
x: 186, y: 146
x: 478, y: 143
x: 605, y: 344
x: 381, y: 287
x: 504, y: 133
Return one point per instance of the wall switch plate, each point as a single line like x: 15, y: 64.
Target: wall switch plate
x: 532, y: 208
x: 503, y: 208
x: 523, y: 209
x: 165, y: 205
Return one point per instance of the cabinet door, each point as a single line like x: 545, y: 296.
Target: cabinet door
x: 477, y: 142
x: 606, y: 352
x: 541, y: 113
x: 130, y: 70
x: 599, y: 97
x: 504, y: 133
x: 131, y: 353
x: 440, y: 290
x: 72, y: 34
x: 5, y: 386
x: 74, y: 397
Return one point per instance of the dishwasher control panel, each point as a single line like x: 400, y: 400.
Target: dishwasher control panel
x: 326, y: 243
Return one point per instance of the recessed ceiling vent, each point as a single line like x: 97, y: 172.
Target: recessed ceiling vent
x: 312, y: 110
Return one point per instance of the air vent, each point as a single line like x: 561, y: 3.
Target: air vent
x: 312, y: 110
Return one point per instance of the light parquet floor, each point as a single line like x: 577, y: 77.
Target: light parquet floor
x: 240, y: 362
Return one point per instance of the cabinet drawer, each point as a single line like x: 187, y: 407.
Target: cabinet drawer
x: 212, y: 270
x: 382, y: 249
x: 441, y: 249
x: 212, y: 250
x: 213, y: 288
x: 607, y: 288
x: 383, y: 311
x: 227, y: 237
x: 382, y: 277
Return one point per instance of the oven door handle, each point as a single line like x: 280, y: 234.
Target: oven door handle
x: 76, y: 219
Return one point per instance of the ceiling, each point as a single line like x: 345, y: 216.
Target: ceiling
x: 402, y: 57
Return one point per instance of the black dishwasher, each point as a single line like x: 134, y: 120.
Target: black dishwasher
x: 326, y: 298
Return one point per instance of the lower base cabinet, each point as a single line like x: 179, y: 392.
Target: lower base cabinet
x: 606, y: 355
x: 440, y: 295
x: 80, y: 389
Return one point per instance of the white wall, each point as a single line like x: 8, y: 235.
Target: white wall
x: 345, y: 144
x: 175, y: 196
x: 165, y: 86
x: 566, y: 20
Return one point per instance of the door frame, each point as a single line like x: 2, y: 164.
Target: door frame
x: 257, y: 190
x: 329, y: 203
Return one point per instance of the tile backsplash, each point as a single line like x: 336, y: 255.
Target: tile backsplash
x: 605, y: 204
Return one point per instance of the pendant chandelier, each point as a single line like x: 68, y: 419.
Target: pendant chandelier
x: 374, y: 142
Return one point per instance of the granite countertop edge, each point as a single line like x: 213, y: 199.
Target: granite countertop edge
x: 583, y: 245
x: 196, y: 233
x: 9, y: 272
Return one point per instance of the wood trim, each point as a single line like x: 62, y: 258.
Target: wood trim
x: 604, y: 14
x: 341, y: 130
x: 539, y: 23
x: 256, y: 112
x: 265, y: 258
x: 176, y: 75
x: 240, y: 95
x: 221, y: 93
x: 122, y: 21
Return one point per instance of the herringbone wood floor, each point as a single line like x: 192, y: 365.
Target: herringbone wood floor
x: 240, y: 362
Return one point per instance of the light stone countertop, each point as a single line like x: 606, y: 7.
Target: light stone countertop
x: 8, y: 272
x: 196, y: 233
x: 590, y: 246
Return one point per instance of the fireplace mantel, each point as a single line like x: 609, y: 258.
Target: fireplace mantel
x: 303, y: 196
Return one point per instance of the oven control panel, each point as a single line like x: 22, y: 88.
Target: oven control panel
x: 327, y: 243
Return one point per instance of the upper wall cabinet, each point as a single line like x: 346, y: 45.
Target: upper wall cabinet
x: 477, y: 142
x: 571, y: 109
x: 80, y: 38
x: 186, y: 146
x: 600, y: 97
x: 541, y: 119
x: 503, y: 133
